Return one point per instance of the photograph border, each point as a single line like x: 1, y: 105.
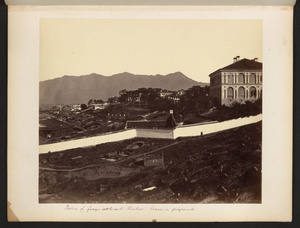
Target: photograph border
x: 9, y: 126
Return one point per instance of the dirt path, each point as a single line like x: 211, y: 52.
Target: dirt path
x: 111, y: 163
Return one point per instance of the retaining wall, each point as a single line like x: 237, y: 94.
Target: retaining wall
x: 184, y: 131
x: 180, y: 131
x: 155, y: 133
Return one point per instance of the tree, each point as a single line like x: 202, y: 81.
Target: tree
x: 196, y: 100
x: 162, y: 104
x: 112, y: 99
x: 83, y: 106
x: 91, y: 101
x: 149, y: 96
x: 123, y: 97
x: 94, y: 101
x: 123, y: 91
x: 100, y: 101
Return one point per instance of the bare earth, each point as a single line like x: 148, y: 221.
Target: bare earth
x: 224, y: 167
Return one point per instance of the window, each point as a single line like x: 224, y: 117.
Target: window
x: 252, y: 92
x: 230, y: 93
x: 230, y: 79
x: 241, y: 79
x: 252, y: 79
x: 241, y: 93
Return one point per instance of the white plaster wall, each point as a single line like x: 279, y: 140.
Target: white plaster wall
x: 185, y: 131
x: 155, y: 133
x: 91, y: 141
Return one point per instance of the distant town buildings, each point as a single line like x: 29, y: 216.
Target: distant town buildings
x: 120, y: 115
x: 237, y: 82
x: 171, y: 95
x: 174, y: 98
x: 134, y: 96
x: 165, y: 93
x: 141, y: 95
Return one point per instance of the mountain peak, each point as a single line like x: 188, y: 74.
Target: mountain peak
x: 125, y: 73
x: 178, y: 74
x: 97, y: 86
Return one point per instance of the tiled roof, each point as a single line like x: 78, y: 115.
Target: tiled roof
x: 54, y: 124
x: 244, y: 64
x: 168, y: 123
x: 146, y: 124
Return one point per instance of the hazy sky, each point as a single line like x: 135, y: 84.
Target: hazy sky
x: 145, y: 46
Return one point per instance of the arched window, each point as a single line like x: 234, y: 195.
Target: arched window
x: 252, y: 92
x: 241, y: 79
x: 252, y: 78
x: 230, y: 79
x: 241, y: 93
x: 230, y: 93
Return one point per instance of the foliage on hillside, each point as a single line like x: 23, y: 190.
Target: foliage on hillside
x: 235, y: 111
x: 194, y: 104
x: 195, y: 100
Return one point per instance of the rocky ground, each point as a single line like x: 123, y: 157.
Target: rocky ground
x: 224, y: 167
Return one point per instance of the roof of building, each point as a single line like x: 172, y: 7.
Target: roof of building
x: 146, y: 124
x: 54, y: 124
x: 168, y: 123
x: 243, y: 64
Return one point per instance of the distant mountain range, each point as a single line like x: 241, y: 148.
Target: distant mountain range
x: 80, y: 89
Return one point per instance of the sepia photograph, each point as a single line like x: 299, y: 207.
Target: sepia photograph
x: 150, y: 111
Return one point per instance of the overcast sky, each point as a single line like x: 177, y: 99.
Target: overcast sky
x: 145, y: 46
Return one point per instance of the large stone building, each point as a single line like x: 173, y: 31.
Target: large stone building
x: 237, y: 82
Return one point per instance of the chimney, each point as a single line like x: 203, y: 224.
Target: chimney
x: 234, y: 59
x: 238, y: 58
x: 171, y: 122
x: 255, y: 59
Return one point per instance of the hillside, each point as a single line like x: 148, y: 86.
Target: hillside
x: 79, y: 89
x: 224, y: 167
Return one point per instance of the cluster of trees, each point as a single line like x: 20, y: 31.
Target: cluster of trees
x: 148, y: 95
x: 94, y: 101
x: 83, y: 106
x: 237, y: 110
x: 195, y: 100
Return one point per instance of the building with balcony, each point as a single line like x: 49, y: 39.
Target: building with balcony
x: 237, y: 82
